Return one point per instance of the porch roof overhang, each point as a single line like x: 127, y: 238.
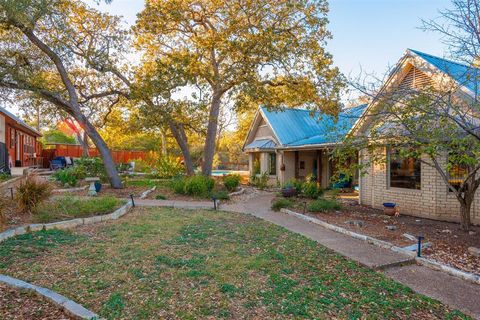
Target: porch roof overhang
x: 261, y: 145
x: 318, y: 146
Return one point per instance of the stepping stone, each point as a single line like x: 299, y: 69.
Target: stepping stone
x: 414, y: 247
x: 474, y: 251
x: 391, y: 228
x: 356, y: 223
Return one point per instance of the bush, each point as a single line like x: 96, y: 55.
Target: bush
x: 323, y: 205
x: 167, y: 167
x: 31, y: 192
x: 4, y: 176
x: 91, y: 167
x: 231, y: 181
x: 221, y: 195
x: 260, y: 182
x: 69, y: 176
x: 281, y: 203
x: 160, y: 197
x: 298, y: 185
x: 178, y: 185
x: 199, y: 186
x: 311, y: 190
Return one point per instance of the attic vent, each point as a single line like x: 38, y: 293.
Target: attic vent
x: 415, y: 79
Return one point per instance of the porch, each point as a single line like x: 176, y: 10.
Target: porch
x: 283, y: 166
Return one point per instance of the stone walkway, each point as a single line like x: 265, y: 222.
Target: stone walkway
x: 455, y: 292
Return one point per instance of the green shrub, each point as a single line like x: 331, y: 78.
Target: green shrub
x: 221, y: 195
x: 199, y: 186
x: 92, y: 167
x: 297, y: 184
x: 281, y: 203
x: 178, y: 185
x: 231, y: 181
x: 4, y: 176
x: 323, y: 205
x: 31, y: 192
x: 259, y: 181
x: 311, y: 190
x: 160, y: 197
x: 69, y: 176
x: 167, y: 167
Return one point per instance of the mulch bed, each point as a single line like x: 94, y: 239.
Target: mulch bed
x: 448, y: 243
x: 19, y: 304
x: 12, y: 216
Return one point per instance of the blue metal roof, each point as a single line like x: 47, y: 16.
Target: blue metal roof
x: 465, y: 75
x: 298, y: 127
x: 261, y: 144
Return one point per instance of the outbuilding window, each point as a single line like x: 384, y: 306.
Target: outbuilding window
x: 404, y: 172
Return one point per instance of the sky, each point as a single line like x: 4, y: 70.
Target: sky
x: 369, y: 36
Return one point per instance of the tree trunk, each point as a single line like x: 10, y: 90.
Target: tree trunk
x: 164, y: 142
x: 465, y: 208
x: 210, y: 142
x: 83, y: 142
x: 181, y: 139
x: 102, y: 147
x: 85, y: 152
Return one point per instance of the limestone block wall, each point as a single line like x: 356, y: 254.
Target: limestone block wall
x: 432, y: 201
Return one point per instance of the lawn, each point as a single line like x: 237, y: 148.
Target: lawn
x: 168, y: 263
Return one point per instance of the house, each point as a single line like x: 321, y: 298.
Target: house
x: 416, y: 188
x: 295, y: 143
x: 19, y: 144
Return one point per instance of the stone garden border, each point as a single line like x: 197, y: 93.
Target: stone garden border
x: 70, y: 189
x: 387, y: 245
x: 71, y: 307
x: 236, y: 193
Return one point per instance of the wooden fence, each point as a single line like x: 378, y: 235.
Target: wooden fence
x: 75, y: 151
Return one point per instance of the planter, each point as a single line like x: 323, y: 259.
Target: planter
x: 289, y: 192
x: 389, y: 208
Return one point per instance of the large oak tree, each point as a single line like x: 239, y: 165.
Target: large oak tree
x: 48, y: 46
x: 272, y: 51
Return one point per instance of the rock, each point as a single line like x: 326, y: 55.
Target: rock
x: 410, y: 237
x: 356, y: 223
x: 474, y: 251
x: 471, y: 233
x: 446, y: 231
x: 391, y: 228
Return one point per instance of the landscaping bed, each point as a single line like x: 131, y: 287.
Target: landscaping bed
x: 26, y: 305
x: 58, y: 208
x: 448, y: 243
x: 170, y: 263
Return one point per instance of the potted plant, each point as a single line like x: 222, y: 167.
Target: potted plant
x: 289, y: 191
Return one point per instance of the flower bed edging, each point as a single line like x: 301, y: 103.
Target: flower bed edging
x: 68, y: 305
x: 146, y: 193
x: 236, y: 193
x: 72, y: 223
x: 387, y: 245
x: 67, y: 224
x: 70, y: 189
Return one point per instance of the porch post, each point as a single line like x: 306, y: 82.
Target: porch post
x: 319, y: 167
x: 296, y: 164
